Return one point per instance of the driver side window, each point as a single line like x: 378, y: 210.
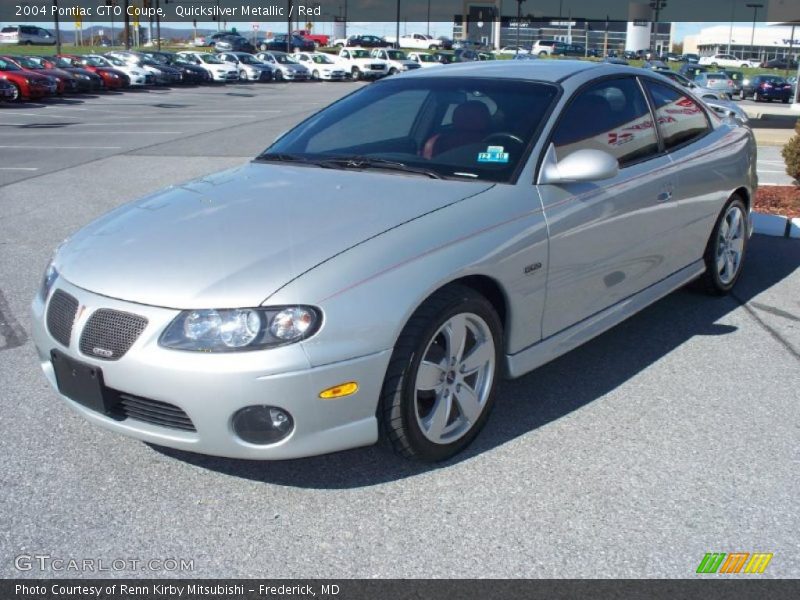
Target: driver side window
x: 612, y: 116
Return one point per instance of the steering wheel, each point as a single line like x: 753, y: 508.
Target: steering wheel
x: 503, y: 135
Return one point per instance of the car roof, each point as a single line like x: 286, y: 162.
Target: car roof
x: 544, y: 70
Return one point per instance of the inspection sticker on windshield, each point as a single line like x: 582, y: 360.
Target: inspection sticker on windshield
x: 493, y: 154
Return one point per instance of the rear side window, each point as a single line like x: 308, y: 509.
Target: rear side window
x: 8, y: 30
x: 680, y: 119
x: 612, y: 116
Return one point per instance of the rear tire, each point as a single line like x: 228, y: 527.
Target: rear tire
x: 315, y: 75
x: 17, y: 97
x: 726, y: 249
x: 439, y: 386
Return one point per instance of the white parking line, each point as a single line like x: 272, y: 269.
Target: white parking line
x: 19, y: 169
x: 62, y: 147
x: 70, y: 132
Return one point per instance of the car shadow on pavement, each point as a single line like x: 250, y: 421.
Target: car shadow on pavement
x: 558, y: 388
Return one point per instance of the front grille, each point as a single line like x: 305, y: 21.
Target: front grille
x: 377, y: 67
x: 154, y: 412
x: 61, y: 316
x: 109, y: 334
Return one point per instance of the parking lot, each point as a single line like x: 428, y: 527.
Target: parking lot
x: 670, y: 436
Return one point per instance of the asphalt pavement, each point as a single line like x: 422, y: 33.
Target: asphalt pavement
x: 673, y: 435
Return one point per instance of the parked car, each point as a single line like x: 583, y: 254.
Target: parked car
x: 766, y: 88
x: 466, y: 55
x: 212, y: 39
x: 700, y: 92
x: 88, y: 81
x: 736, y: 78
x: 321, y: 65
x: 66, y: 83
x: 397, y: 60
x: 549, y: 48
x: 250, y: 68
x: 715, y: 81
x: 779, y: 63
x: 234, y: 43
x: 318, y: 39
x: 671, y: 57
x: 218, y: 70
x: 630, y: 55
x: 136, y: 73
x: 285, y: 68
x: 513, y: 50
x: 26, y: 84
x: 192, y: 73
x: 333, y: 330
x: 690, y: 58
x: 424, y: 59
x: 726, y: 60
x: 445, y: 43
x: 113, y: 79
x: 656, y: 65
x: 26, y: 35
x: 367, y: 41
x: 691, y: 70
x: 613, y: 60
x: 445, y: 57
x: 360, y: 64
x: 278, y: 43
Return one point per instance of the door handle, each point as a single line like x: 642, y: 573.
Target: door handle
x: 665, y: 197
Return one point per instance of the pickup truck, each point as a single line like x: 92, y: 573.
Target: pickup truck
x: 397, y: 60
x: 319, y: 39
x: 727, y: 60
x: 418, y: 41
x: 360, y: 64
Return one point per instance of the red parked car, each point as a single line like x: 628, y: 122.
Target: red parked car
x: 64, y: 82
x: 319, y: 39
x: 27, y: 84
x: 112, y: 78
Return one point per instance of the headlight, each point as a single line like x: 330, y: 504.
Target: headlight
x: 50, y: 276
x: 82, y: 76
x: 114, y: 76
x: 225, y: 330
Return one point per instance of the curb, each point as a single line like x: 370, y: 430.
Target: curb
x: 776, y: 226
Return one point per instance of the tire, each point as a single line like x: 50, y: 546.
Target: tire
x: 278, y: 75
x: 715, y: 65
x: 436, y: 421
x: 719, y: 280
x: 756, y: 97
x: 17, y: 97
x: 355, y: 74
x: 742, y: 95
x: 745, y: 66
x: 393, y: 71
x: 785, y: 100
x: 263, y: 47
x: 242, y: 75
x: 433, y: 47
x: 542, y: 54
x: 315, y: 75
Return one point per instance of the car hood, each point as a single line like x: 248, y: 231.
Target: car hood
x: 234, y: 238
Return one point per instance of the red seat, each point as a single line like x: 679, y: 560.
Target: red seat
x: 471, y: 123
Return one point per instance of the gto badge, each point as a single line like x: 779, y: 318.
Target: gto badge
x: 102, y: 352
x: 532, y: 268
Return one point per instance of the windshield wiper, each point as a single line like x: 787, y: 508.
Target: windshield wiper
x: 295, y: 158
x: 366, y: 162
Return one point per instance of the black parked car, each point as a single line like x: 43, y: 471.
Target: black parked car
x: 277, y: 43
x: 233, y: 43
x: 779, y: 63
x: 192, y: 74
x: 446, y: 42
x: 766, y: 88
x: 368, y: 41
x: 445, y: 57
x: 691, y: 70
x: 689, y: 58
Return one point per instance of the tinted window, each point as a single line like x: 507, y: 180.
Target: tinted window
x: 680, y: 119
x: 612, y: 116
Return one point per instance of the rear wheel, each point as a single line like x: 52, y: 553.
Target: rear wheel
x: 742, y: 95
x: 726, y: 248
x: 315, y: 75
x: 439, y: 385
x: 757, y: 97
x: 278, y: 75
x: 16, y: 94
x: 392, y: 71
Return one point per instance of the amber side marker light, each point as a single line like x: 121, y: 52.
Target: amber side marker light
x: 339, y: 391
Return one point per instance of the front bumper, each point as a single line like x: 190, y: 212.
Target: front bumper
x: 210, y: 388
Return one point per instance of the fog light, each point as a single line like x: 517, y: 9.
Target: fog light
x: 262, y: 424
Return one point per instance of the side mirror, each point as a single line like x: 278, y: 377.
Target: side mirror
x: 581, y: 165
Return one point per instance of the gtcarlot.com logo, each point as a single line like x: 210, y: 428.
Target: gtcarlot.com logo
x: 735, y: 562
x: 46, y: 562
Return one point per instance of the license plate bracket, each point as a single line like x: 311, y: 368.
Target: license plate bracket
x: 81, y: 382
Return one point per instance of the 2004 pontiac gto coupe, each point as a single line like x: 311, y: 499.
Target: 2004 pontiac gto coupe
x: 376, y: 270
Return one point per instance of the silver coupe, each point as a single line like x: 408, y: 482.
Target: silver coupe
x: 379, y: 267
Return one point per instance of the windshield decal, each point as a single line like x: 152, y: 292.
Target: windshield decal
x: 493, y: 154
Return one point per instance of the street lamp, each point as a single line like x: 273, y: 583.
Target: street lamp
x: 519, y: 21
x: 397, y: 32
x: 755, y: 8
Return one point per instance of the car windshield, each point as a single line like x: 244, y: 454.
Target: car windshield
x: 94, y: 62
x: 6, y: 65
x: 63, y: 62
x: 322, y: 59
x: 718, y: 76
x: 119, y: 63
x: 248, y: 60
x: 774, y: 80
x: 426, y: 58
x: 28, y: 63
x: 211, y: 60
x: 360, y: 54
x: 396, y: 54
x: 284, y: 59
x: 452, y: 127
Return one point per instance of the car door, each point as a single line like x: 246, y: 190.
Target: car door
x: 608, y: 239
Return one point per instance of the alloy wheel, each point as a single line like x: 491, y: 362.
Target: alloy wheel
x: 730, y: 244
x: 454, y: 379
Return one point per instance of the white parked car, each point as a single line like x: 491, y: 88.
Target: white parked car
x: 138, y: 75
x: 361, y: 64
x: 424, y: 59
x: 727, y: 60
x: 322, y: 66
x: 216, y: 67
x: 397, y: 60
x: 512, y: 50
x: 416, y: 40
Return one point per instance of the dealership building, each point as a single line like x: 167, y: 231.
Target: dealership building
x: 743, y: 41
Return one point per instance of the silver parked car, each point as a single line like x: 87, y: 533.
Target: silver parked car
x: 285, y: 68
x: 715, y: 81
x: 380, y: 266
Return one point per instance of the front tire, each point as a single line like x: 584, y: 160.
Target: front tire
x: 17, y: 94
x: 439, y: 386
x: 355, y: 74
x: 726, y: 248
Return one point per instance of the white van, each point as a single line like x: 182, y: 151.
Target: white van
x: 26, y: 35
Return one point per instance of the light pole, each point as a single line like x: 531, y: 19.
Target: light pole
x: 58, y: 29
x: 428, y: 30
x: 519, y: 21
x: 397, y: 32
x: 730, y: 31
x: 755, y: 8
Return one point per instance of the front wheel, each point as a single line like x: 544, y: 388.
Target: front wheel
x: 315, y: 75
x: 439, y: 385
x: 726, y: 248
x: 742, y: 95
x: 16, y: 94
x: 355, y: 74
x: 757, y: 97
x: 278, y: 75
x: 242, y: 75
